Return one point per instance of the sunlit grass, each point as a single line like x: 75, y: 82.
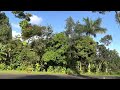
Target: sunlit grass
x: 25, y: 72
x: 99, y: 74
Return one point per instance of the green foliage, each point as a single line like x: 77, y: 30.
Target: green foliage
x: 69, y: 71
x: 50, y: 69
x: 37, y: 67
x: 56, y: 69
x: 106, y: 40
x: 2, y: 66
x: 22, y: 15
x: 21, y: 67
x: 50, y: 55
x: 29, y: 68
x: 5, y: 28
x: 73, y: 51
x: 93, y: 27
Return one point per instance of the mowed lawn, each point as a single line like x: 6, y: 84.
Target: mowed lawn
x: 25, y: 72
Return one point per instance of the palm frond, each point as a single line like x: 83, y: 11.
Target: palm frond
x: 101, y: 30
x: 117, y: 17
x: 97, y: 22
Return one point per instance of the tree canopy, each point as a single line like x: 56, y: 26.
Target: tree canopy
x: 73, y: 51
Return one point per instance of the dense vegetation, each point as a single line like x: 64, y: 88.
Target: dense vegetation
x: 73, y: 51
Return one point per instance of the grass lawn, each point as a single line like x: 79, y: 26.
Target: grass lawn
x: 25, y: 72
x: 99, y: 74
x: 50, y: 73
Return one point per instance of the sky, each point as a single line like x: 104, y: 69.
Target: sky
x: 57, y: 20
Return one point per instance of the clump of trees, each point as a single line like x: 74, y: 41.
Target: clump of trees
x: 72, y: 51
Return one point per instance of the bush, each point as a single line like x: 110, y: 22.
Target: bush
x: 50, y: 69
x: 115, y: 73
x: 56, y: 69
x: 29, y: 68
x: 59, y: 69
x: 69, y: 71
x: 37, y: 67
x: 2, y: 66
x: 9, y: 68
x: 21, y: 67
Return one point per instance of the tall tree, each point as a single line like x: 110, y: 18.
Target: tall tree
x: 24, y: 24
x: 69, y: 26
x: 5, y: 28
x: 93, y: 27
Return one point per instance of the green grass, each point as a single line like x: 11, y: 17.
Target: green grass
x: 50, y: 73
x: 99, y: 74
x: 25, y: 72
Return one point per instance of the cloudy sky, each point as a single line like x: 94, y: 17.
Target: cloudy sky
x: 57, y: 20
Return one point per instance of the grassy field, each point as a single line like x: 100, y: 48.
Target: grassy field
x: 25, y: 72
x: 50, y: 73
x: 99, y: 74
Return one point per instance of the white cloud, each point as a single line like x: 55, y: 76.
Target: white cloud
x: 14, y: 33
x: 35, y: 20
x: 15, y: 25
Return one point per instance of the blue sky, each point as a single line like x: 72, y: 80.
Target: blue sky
x: 57, y: 20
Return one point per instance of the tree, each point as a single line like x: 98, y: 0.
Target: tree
x: 69, y: 26
x: 106, y: 40
x: 22, y: 15
x: 85, y: 50
x: 93, y: 27
x: 54, y: 54
x: 5, y: 29
x: 24, y: 24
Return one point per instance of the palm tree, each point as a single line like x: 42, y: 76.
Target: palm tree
x: 93, y: 27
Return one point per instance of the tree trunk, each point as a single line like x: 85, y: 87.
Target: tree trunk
x: 106, y: 70
x: 98, y: 68
x: 89, y: 68
x: 80, y: 67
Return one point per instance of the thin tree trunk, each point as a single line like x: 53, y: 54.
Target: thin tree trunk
x: 89, y: 68
x: 98, y: 68
x: 80, y: 67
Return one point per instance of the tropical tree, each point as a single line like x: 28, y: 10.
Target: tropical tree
x: 93, y: 27
x: 69, y: 26
x: 5, y: 28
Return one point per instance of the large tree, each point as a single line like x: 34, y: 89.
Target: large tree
x: 93, y: 27
x: 5, y: 28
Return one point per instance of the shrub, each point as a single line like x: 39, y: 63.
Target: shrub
x: 50, y: 69
x: 69, y: 71
x: 37, y: 67
x: 22, y: 67
x: 29, y: 68
x: 59, y: 69
x: 9, y: 68
x: 2, y: 66
x: 56, y: 69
